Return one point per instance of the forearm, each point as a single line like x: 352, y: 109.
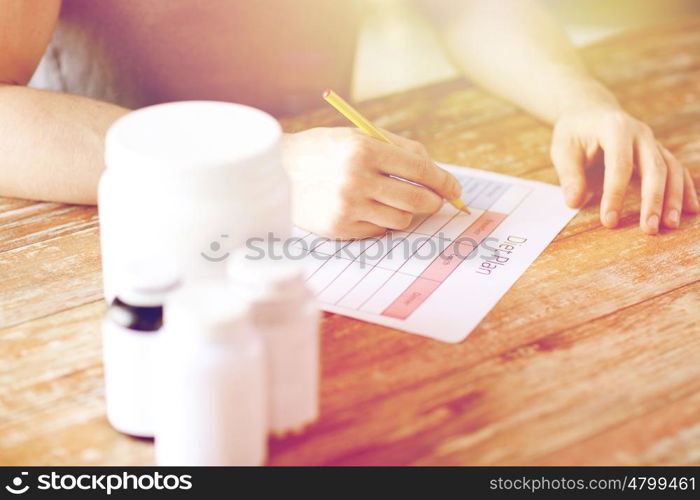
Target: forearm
x: 516, y: 50
x: 52, y: 144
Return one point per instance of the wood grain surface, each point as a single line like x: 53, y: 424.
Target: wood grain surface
x: 593, y: 357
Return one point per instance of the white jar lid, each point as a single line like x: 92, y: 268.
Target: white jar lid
x: 206, y: 309
x: 146, y: 282
x: 190, y: 135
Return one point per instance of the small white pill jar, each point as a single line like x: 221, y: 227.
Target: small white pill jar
x: 192, y: 181
x: 130, y: 333
x: 210, y: 381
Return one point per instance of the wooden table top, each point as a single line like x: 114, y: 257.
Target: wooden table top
x: 593, y: 357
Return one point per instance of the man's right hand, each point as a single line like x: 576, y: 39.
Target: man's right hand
x: 341, y: 184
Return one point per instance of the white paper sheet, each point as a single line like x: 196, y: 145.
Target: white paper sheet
x: 441, y: 276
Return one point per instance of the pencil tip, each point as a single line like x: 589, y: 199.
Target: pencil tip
x: 326, y: 93
x: 459, y: 204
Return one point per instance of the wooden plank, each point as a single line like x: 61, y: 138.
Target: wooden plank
x: 35, y: 222
x: 49, y: 276
x: 635, y: 56
x: 669, y: 435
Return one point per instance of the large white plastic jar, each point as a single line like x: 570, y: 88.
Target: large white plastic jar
x: 210, y: 381
x: 190, y: 180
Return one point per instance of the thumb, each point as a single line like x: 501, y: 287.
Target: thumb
x: 569, y: 161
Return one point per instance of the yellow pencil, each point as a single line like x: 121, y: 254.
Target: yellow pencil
x: 370, y: 129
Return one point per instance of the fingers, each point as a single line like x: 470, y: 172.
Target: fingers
x: 569, y: 161
x: 690, y: 195
x: 361, y: 230
x: 405, y: 196
x: 618, y: 172
x: 673, y: 197
x: 386, y: 216
x: 393, y: 160
x: 654, y: 171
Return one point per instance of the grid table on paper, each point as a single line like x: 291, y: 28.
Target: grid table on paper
x: 393, y: 275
